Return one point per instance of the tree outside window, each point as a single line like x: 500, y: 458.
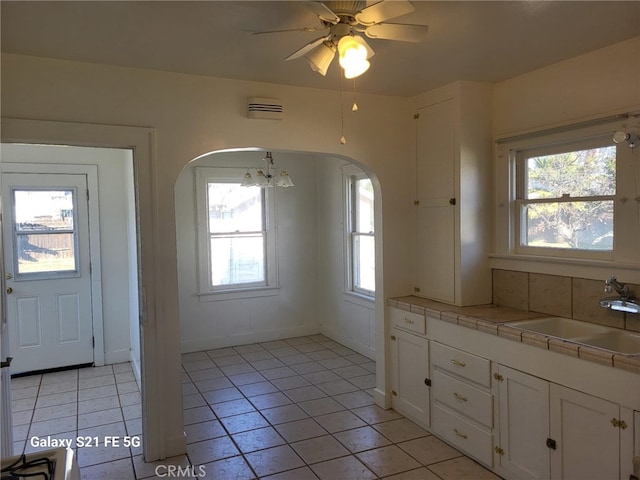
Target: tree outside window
x: 567, y: 199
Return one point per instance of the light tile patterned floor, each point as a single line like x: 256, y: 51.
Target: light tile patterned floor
x: 300, y: 408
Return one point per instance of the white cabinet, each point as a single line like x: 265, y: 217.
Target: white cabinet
x: 462, y: 406
x: 410, y: 375
x: 523, y: 406
x: 453, y: 194
x: 550, y: 431
x: 586, y: 431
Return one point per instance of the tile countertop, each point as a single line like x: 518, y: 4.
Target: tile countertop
x: 491, y: 319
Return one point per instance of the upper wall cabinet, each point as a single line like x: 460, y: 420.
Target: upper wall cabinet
x: 453, y: 194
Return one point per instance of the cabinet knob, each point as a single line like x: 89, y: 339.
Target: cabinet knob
x: 458, y: 363
x: 452, y: 201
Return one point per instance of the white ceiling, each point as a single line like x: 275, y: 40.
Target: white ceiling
x: 477, y: 40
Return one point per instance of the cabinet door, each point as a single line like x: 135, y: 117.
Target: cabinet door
x: 435, y: 187
x: 524, y: 424
x: 410, y: 369
x: 587, y: 441
x: 435, y: 150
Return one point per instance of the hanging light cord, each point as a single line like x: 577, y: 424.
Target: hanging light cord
x: 343, y: 139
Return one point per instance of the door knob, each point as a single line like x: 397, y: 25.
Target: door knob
x: 6, y: 363
x: 9, y: 290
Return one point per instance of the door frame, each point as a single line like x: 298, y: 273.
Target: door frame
x: 163, y: 432
x: 95, y: 277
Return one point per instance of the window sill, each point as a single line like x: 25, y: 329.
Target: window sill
x: 238, y: 294
x: 572, y: 267
x: 359, y: 299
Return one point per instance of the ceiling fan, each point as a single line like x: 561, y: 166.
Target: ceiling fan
x: 346, y: 21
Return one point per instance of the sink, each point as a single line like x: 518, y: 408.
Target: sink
x: 598, y: 336
x: 615, y: 341
x: 560, y: 327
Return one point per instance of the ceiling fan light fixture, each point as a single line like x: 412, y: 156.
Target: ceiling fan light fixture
x: 354, y: 70
x: 320, y: 58
x: 354, y: 54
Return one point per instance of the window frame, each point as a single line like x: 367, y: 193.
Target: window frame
x: 206, y: 290
x: 519, y: 222
x: 16, y: 235
x: 626, y: 255
x: 351, y: 175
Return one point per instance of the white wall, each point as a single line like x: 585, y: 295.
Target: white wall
x: 194, y: 115
x: 115, y: 237
x: 593, y: 85
x: 310, y: 262
x: 597, y: 85
x: 132, y: 252
x: 344, y: 317
x: 207, y: 322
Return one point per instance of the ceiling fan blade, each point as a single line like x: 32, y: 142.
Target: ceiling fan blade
x: 323, y: 12
x: 307, y: 48
x: 303, y: 29
x: 397, y: 31
x: 384, y: 10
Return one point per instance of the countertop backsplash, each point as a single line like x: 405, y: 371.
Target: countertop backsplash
x: 570, y: 297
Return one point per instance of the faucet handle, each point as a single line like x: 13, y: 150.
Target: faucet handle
x: 608, y: 287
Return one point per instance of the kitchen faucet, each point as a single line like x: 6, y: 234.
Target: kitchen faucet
x: 622, y: 289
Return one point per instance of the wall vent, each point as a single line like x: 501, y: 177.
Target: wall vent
x: 265, y: 108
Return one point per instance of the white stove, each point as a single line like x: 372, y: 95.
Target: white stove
x: 56, y: 464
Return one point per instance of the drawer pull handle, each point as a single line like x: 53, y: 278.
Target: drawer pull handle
x: 409, y: 321
x: 458, y: 363
x: 460, y: 397
x: 460, y: 434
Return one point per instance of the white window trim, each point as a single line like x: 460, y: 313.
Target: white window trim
x: 518, y: 221
x: 625, y: 257
x: 204, y: 175
x: 352, y: 294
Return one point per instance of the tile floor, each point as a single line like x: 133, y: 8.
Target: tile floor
x: 300, y: 408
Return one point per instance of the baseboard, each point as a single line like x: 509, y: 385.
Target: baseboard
x: 118, y: 356
x: 365, y: 350
x: 381, y: 399
x: 248, y: 338
x: 135, y: 366
x: 176, y: 445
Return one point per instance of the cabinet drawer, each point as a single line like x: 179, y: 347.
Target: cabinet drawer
x: 408, y: 320
x: 457, y: 431
x: 464, y: 398
x: 466, y: 365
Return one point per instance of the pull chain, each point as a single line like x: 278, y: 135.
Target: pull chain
x: 354, y: 107
x: 343, y: 139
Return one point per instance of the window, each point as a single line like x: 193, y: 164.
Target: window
x: 45, y: 232
x: 236, y: 235
x: 565, y: 199
x: 361, y: 242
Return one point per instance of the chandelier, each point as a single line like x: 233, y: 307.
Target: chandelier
x: 267, y: 175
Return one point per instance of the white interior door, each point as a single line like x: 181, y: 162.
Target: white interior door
x: 47, y: 270
x: 6, y: 421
